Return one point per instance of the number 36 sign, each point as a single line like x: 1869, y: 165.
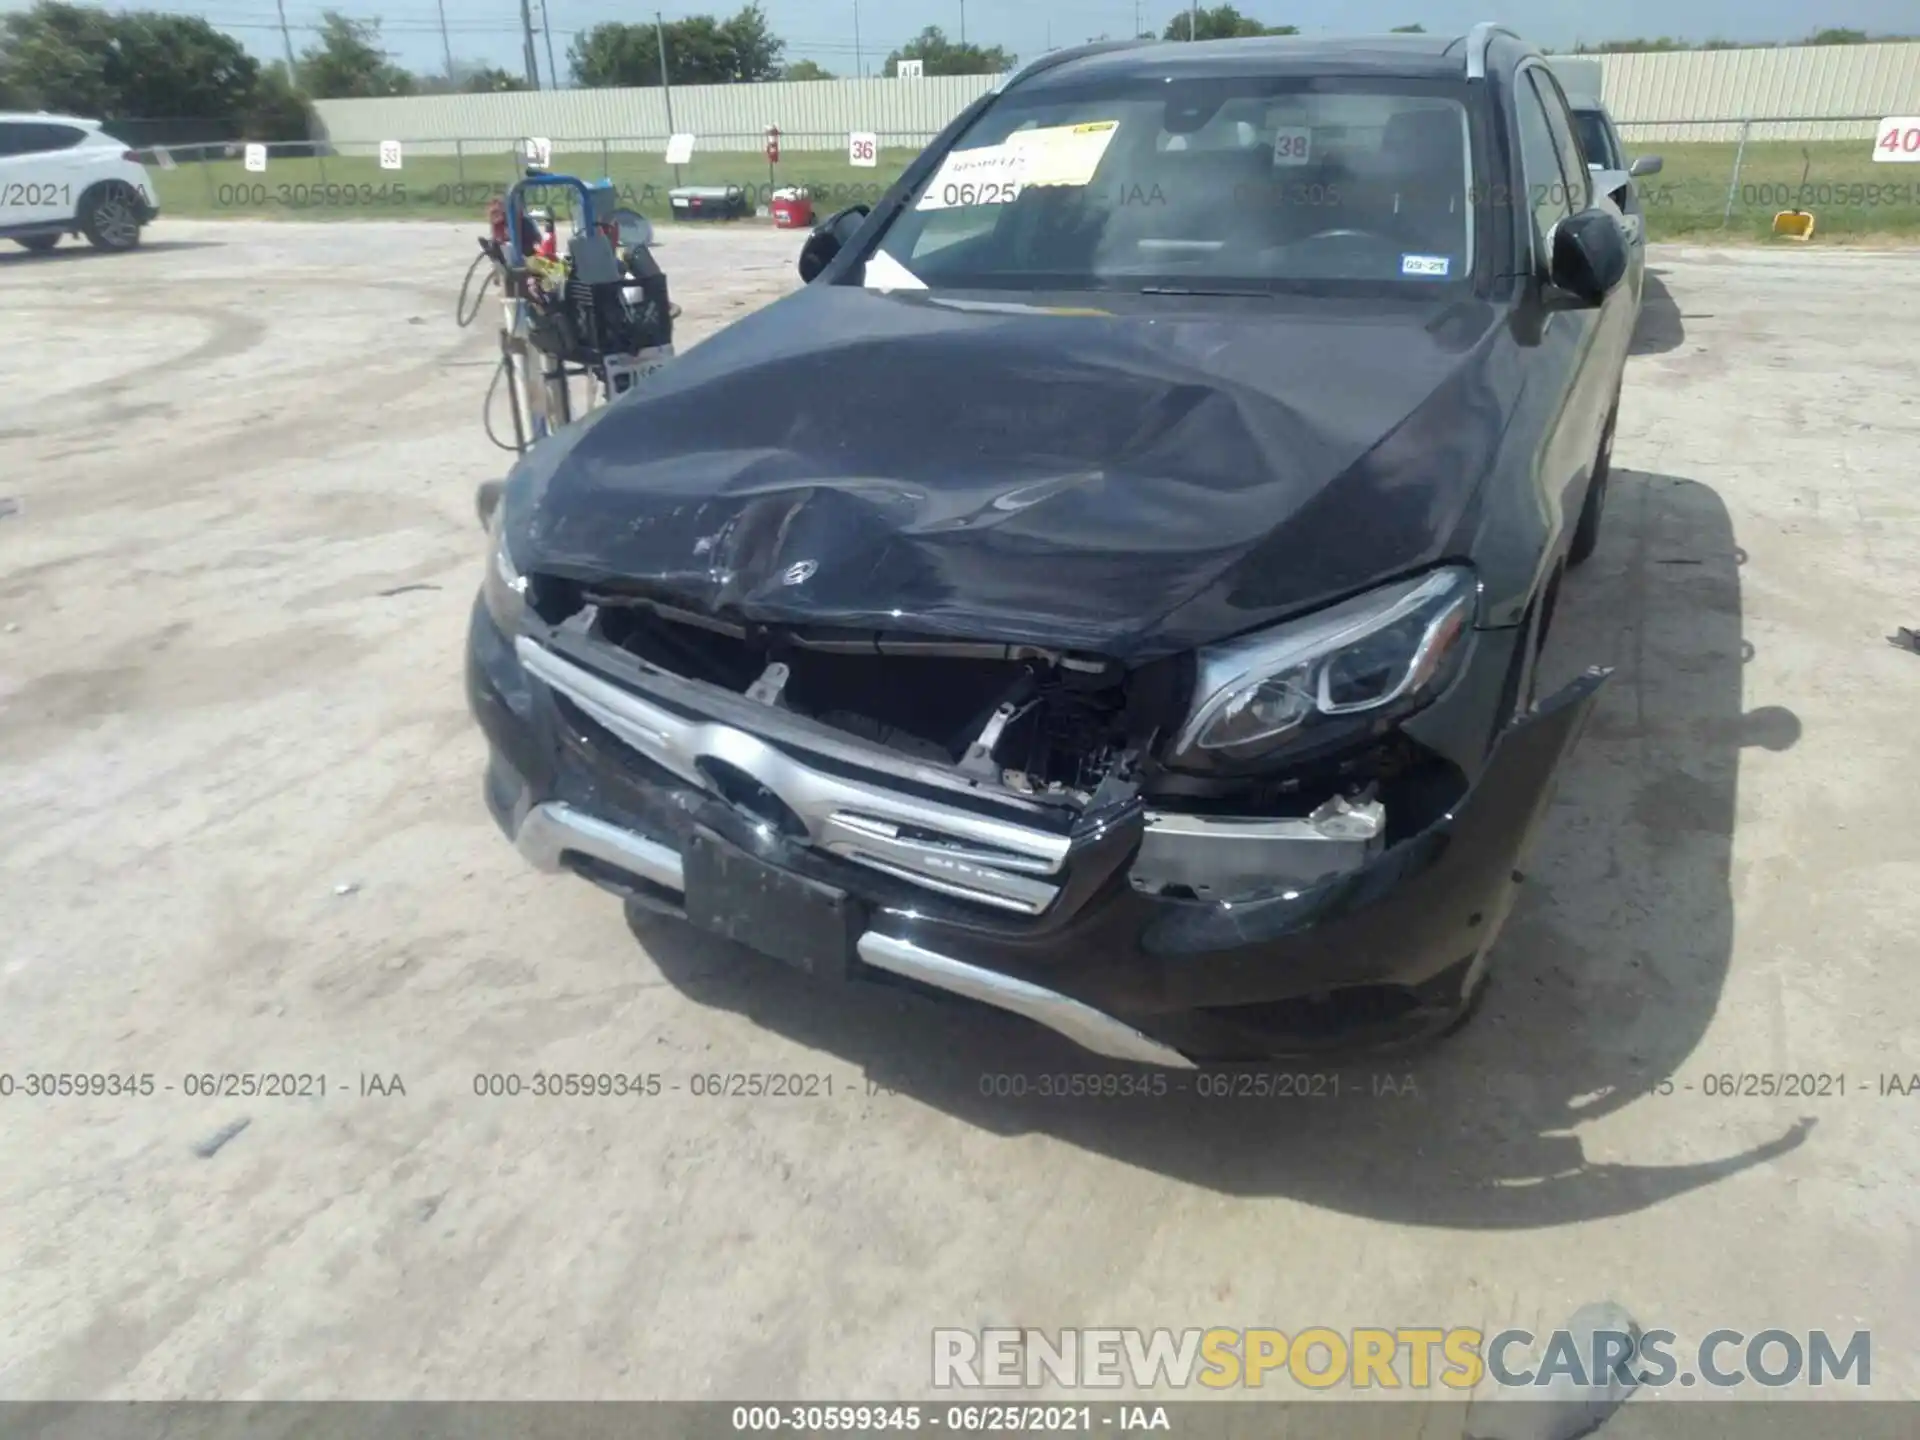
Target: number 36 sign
x: 863, y: 148
x: 1897, y: 138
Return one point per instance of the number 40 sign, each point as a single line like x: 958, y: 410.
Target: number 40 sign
x: 1897, y: 138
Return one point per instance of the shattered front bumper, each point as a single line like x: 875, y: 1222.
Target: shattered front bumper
x: 854, y: 865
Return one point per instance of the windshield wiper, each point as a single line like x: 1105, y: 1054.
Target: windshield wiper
x: 1189, y: 290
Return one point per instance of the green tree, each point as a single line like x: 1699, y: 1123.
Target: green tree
x: 612, y: 53
x: 54, y: 57
x: 807, y: 70
x: 1222, y: 22
x: 941, y: 56
x: 1837, y: 37
x: 701, y: 50
x: 1634, y: 47
x: 276, y: 110
x: 348, y: 62
x: 1408, y: 30
x: 177, y: 66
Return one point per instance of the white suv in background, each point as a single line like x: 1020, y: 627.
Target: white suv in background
x: 64, y: 176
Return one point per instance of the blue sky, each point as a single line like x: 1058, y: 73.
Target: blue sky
x: 823, y: 30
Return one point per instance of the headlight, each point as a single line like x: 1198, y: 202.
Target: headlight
x: 504, y: 588
x: 1352, y: 667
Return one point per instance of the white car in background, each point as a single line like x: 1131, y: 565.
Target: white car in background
x: 61, y: 175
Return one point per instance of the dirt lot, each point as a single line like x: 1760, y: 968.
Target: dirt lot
x: 234, y: 594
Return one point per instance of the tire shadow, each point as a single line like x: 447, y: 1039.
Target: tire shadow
x: 1604, y: 981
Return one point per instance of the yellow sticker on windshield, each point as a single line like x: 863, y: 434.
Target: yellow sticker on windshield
x: 1063, y: 154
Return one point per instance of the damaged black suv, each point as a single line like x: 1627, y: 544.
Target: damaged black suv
x: 1110, y: 588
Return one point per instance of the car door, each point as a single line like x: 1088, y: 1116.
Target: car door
x: 1617, y: 314
x: 14, y: 165
x: 1560, y: 406
x: 41, y: 184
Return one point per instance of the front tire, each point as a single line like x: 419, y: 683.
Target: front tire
x: 38, y: 244
x: 1586, y: 535
x: 110, y: 217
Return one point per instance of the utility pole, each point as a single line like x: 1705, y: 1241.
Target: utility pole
x: 286, y: 39
x: 1193, y: 20
x: 445, y: 43
x: 1136, y: 21
x: 666, y: 90
x: 963, y: 22
x: 526, y: 49
x: 546, y: 28
x: 859, y: 68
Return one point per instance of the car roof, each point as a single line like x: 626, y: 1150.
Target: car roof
x: 44, y: 117
x: 1411, y: 56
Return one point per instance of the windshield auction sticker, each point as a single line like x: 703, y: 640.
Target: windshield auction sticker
x: 1063, y: 154
x: 996, y: 174
x: 989, y: 175
x: 1292, y: 145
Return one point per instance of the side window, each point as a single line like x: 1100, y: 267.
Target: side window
x: 1573, y: 164
x: 1546, y: 189
x: 34, y: 138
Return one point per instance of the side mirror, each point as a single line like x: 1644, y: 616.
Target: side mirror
x: 1645, y: 165
x: 1589, y: 255
x: 829, y: 237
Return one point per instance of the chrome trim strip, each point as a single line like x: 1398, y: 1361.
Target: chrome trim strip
x: 968, y: 874
x: 860, y: 829
x: 1087, y: 1027
x: 555, y: 828
x: 680, y: 744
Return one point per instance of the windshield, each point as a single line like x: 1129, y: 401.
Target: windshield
x: 1216, y: 186
x: 1594, y: 139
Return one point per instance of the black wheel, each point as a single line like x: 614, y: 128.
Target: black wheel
x: 110, y: 217
x: 1587, y: 534
x: 38, y: 244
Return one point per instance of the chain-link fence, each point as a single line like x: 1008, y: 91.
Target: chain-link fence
x: 459, y: 177
x: 1732, y: 177
x: 1717, y: 177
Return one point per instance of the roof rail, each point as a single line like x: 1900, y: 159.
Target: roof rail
x: 1478, y: 40
x: 1060, y: 57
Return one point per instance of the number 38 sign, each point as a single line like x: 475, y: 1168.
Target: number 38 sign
x: 863, y: 148
x: 1898, y: 138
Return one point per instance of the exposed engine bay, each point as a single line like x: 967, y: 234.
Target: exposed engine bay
x: 1077, y: 730
x: 1039, y: 723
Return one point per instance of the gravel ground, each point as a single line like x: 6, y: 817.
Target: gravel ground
x: 241, y: 831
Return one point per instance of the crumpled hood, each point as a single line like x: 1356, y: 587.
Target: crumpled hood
x: 1131, y: 483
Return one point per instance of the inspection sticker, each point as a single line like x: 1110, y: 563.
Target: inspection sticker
x: 1434, y: 265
